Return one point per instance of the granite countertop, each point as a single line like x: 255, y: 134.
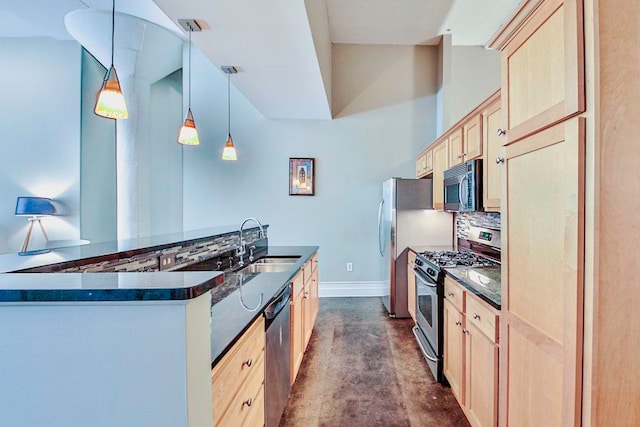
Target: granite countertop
x: 230, y: 318
x: 100, y: 251
x: 147, y: 286
x: 482, y: 281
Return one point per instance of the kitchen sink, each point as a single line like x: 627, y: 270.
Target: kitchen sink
x: 276, y: 260
x: 270, y: 267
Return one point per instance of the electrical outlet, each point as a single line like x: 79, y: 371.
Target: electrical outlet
x: 166, y: 261
x: 349, y: 266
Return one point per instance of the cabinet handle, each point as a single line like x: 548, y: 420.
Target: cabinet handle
x: 501, y: 132
x: 248, y: 362
x: 306, y: 295
x: 458, y: 323
x: 459, y: 156
x: 499, y: 160
x: 476, y: 316
x: 465, y: 331
x: 451, y: 294
x: 248, y: 402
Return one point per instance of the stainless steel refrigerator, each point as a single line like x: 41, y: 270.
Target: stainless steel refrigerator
x: 406, y: 218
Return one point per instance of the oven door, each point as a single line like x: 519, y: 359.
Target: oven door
x: 428, y: 309
x: 453, y: 193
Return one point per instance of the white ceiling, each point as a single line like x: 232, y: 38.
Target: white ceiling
x: 272, y: 42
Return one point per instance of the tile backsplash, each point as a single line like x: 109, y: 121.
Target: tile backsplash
x: 465, y: 220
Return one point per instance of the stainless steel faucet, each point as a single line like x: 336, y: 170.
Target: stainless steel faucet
x: 242, y: 248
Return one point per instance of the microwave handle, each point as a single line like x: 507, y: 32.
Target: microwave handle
x: 462, y: 192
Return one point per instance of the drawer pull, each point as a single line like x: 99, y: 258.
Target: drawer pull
x: 465, y: 331
x: 476, y: 316
x: 458, y: 323
x: 248, y: 402
x: 451, y: 294
x: 248, y: 362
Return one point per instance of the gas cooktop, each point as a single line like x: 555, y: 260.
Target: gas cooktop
x: 448, y: 259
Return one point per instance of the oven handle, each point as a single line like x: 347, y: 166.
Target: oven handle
x: 462, y: 191
x: 426, y: 280
x: 424, y: 351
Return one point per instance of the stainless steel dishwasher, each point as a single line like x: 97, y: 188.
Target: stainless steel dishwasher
x: 277, y: 358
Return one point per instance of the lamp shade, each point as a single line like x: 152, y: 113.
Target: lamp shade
x: 35, y: 206
x: 229, y: 152
x: 110, y: 102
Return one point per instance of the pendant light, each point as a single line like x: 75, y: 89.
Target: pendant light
x: 110, y: 102
x: 229, y: 152
x: 188, y: 132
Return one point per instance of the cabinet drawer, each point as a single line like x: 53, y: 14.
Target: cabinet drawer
x: 244, y: 359
x: 454, y: 293
x: 297, y: 284
x: 307, y: 270
x: 245, y: 404
x: 483, y: 317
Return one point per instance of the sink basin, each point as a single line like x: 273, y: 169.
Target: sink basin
x: 276, y: 260
x: 270, y: 267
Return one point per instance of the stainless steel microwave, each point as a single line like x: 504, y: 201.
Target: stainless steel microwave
x: 463, y: 187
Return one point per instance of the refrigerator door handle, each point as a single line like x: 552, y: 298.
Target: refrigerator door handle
x: 380, y: 229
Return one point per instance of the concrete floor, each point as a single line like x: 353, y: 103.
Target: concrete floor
x: 364, y: 369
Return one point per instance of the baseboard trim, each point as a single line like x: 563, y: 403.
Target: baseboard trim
x: 351, y: 289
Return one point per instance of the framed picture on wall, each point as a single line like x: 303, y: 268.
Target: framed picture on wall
x: 301, y: 176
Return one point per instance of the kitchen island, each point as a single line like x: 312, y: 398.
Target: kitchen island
x: 125, y: 349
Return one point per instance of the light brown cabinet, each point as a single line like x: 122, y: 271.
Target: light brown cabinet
x: 305, y: 303
x: 411, y: 284
x: 237, y: 381
x: 471, y: 354
x: 440, y: 164
x: 544, y: 210
x: 456, y: 148
x: 542, y: 65
x: 465, y: 142
x: 492, y: 124
x: 424, y: 163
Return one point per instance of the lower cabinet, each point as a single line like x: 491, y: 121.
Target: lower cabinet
x: 471, y: 353
x: 237, y: 381
x: 305, y: 303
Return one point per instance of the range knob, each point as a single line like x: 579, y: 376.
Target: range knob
x: 431, y: 271
x: 418, y: 262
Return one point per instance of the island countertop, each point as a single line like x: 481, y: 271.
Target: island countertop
x: 231, y: 316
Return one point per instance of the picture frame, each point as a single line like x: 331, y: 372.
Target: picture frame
x: 302, y: 174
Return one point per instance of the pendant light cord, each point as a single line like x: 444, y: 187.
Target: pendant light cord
x: 113, y: 28
x: 190, y: 31
x: 229, y: 103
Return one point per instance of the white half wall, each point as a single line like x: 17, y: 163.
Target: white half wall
x: 387, y: 99
x: 39, y: 135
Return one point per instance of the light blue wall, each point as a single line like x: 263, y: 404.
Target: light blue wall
x: 387, y: 99
x: 98, y: 161
x: 39, y: 134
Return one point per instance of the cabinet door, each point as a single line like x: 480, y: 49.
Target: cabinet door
x: 543, y: 67
x: 440, y: 164
x: 481, y: 381
x: 308, y: 312
x: 419, y: 168
x: 297, y: 329
x: 456, y: 151
x: 428, y: 162
x: 542, y: 278
x: 493, y: 166
x: 453, y: 350
x: 472, y: 137
x: 411, y: 285
x: 315, y: 297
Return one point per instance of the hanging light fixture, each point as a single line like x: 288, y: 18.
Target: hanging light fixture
x: 188, y: 132
x: 229, y: 152
x: 110, y: 102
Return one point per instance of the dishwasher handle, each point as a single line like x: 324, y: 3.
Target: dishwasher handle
x: 281, y: 301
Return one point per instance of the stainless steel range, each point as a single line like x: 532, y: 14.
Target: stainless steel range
x: 429, y: 272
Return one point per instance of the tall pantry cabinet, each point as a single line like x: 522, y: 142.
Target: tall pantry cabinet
x: 542, y: 214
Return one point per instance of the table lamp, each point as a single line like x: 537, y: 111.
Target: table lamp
x: 35, y: 208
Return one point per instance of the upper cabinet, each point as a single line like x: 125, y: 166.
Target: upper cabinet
x: 478, y: 135
x: 542, y: 65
